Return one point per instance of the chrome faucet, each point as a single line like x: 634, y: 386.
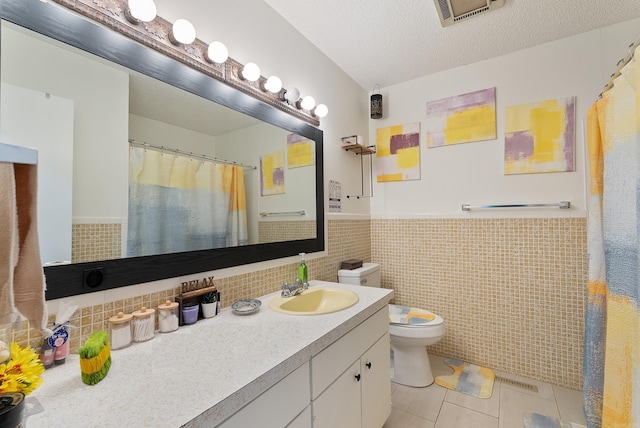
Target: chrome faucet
x: 294, y: 289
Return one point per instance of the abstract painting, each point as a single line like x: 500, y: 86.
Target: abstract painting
x: 398, y: 152
x: 540, y: 137
x: 462, y: 119
x: 300, y: 151
x: 272, y: 174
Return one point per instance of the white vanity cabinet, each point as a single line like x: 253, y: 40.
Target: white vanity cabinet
x: 350, y: 380
x: 284, y: 404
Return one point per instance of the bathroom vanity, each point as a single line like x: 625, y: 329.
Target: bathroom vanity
x: 268, y: 369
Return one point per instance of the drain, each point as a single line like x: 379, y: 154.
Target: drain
x: 512, y: 382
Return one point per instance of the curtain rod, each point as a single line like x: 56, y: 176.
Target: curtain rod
x: 624, y: 61
x: 190, y: 154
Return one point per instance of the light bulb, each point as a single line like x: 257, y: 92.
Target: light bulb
x: 308, y: 103
x: 142, y: 10
x: 217, y: 52
x: 292, y: 95
x: 183, y: 32
x: 251, y: 72
x: 273, y: 84
x: 321, y: 110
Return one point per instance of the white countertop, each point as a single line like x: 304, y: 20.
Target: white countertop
x: 200, y: 374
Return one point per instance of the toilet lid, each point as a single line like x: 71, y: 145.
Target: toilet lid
x: 412, y: 317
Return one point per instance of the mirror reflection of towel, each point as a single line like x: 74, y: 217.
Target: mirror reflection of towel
x: 22, y: 282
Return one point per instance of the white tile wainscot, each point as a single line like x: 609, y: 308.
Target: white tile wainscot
x: 201, y: 374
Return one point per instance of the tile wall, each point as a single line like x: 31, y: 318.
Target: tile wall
x: 91, y: 242
x: 347, y: 239
x: 275, y: 231
x: 510, y: 290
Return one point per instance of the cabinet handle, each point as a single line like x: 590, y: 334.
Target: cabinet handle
x: 358, y: 377
x: 368, y: 365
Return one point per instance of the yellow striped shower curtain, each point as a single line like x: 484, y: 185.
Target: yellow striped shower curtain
x: 177, y: 203
x: 612, y: 324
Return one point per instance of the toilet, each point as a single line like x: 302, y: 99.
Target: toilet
x: 411, y: 331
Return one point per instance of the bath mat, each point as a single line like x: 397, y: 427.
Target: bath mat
x: 536, y: 420
x: 468, y: 378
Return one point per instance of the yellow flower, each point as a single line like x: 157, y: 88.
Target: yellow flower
x: 22, y: 372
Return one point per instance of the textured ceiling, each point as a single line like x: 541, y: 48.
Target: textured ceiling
x: 386, y: 42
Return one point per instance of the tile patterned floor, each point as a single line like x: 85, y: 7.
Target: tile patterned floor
x: 438, y: 407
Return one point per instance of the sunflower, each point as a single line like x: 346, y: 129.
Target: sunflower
x: 22, y: 372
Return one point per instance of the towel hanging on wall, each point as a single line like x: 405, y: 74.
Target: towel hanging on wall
x: 22, y: 282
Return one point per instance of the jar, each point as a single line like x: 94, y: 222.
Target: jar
x: 120, y: 330
x: 143, y: 324
x: 168, y: 319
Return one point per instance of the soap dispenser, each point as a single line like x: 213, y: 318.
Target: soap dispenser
x: 303, y: 271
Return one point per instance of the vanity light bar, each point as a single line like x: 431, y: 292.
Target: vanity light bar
x: 157, y: 35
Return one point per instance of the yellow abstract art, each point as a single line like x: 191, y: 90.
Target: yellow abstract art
x: 462, y: 119
x: 540, y: 137
x: 398, y: 153
x: 272, y: 174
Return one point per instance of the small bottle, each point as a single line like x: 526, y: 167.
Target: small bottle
x: 46, y: 354
x: 168, y: 319
x: 143, y: 324
x: 120, y: 330
x: 303, y: 271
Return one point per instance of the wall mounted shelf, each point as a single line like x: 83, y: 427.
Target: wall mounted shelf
x: 362, y: 150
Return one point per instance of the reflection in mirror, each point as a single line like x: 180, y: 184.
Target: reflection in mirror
x: 88, y: 110
x: 199, y: 173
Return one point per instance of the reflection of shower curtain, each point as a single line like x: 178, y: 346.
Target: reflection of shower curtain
x: 181, y: 204
x: 612, y: 325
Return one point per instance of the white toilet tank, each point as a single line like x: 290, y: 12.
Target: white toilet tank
x: 368, y: 274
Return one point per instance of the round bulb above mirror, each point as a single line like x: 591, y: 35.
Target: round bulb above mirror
x: 251, y: 72
x: 321, y: 110
x: 142, y: 10
x: 292, y: 95
x: 217, y: 52
x: 308, y: 103
x: 183, y: 32
x: 273, y: 84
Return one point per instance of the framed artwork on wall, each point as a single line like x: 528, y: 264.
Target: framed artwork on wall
x: 461, y: 119
x: 540, y: 137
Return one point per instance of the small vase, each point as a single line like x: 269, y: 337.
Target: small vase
x: 209, y: 309
x: 190, y: 314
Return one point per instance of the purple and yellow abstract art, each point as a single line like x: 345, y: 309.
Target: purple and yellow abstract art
x: 540, y: 137
x: 300, y: 151
x: 462, y: 119
x: 398, y: 152
x: 272, y: 174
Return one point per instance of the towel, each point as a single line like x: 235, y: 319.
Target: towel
x: 22, y: 282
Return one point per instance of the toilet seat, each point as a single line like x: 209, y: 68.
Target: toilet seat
x: 406, y: 317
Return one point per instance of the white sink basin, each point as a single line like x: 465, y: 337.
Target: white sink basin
x: 315, y: 301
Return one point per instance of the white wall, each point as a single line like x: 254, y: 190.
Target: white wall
x: 473, y: 172
x: 254, y: 32
x: 101, y: 98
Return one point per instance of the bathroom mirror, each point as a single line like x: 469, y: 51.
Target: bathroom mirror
x: 146, y: 69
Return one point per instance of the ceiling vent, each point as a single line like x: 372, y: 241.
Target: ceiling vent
x: 452, y: 11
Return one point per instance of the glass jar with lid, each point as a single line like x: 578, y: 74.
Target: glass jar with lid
x: 143, y: 324
x: 120, y: 330
x: 168, y: 317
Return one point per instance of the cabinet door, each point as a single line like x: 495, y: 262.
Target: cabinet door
x: 339, y: 405
x: 303, y: 420
x: 376, y: 384
x: 278, y: 406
